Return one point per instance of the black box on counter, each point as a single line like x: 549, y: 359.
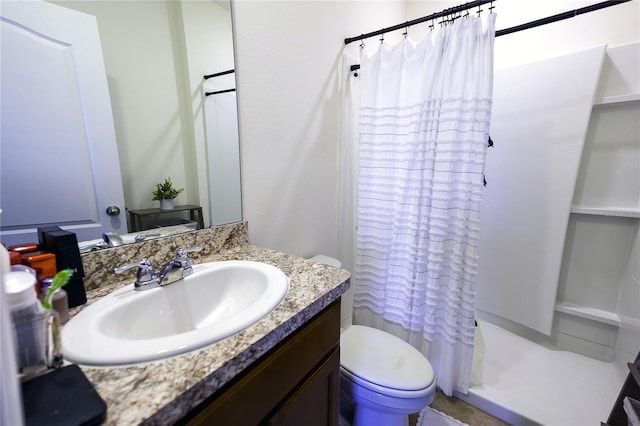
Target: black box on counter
x: 62, y: 397
x: 64, y: 245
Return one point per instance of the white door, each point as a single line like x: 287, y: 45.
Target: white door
x: 58, y: 155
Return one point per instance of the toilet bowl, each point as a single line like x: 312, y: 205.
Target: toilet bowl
x: 331, y: 261
x: 385, y: 378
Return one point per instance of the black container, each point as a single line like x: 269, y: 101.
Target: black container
x: 64, y: 245
x: 62, y: 397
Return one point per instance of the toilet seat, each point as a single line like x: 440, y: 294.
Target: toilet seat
x: 384, y: 363
x: 387, y: 392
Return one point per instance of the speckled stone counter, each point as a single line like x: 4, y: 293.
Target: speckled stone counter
x: 162, y: 392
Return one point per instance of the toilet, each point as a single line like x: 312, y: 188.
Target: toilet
x: 383, y: 379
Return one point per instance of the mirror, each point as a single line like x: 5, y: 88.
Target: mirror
x: 156, y: 54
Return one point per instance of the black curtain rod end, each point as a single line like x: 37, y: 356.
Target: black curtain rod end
x: 218, y: 74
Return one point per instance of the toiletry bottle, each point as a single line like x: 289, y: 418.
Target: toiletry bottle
x: 59, y: 299
x: 23, y: 248
x: 43, y: 263
x: 10, y: 395
x: 29, y: 321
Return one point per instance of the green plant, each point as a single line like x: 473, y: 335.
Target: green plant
x: 166, y: 191
x: 59, y: 280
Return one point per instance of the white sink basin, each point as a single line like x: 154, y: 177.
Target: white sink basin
x: 218, y: 300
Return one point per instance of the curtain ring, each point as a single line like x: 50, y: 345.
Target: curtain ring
x: 406, y: 29
x: 444, y: 17
x: 382, y: 39
x: 455, y: 16
x: 362, y: 43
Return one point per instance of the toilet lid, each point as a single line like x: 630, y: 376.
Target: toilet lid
x: 384, y: 359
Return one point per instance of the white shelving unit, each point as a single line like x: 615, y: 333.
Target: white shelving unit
x: 612, y: 212
x: 605, y: 211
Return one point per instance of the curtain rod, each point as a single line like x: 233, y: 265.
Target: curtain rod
x: 450, y: 11
x: 218, y: 92
x: 219, y: 74
x: 560, y: 17
x: 532, y: 24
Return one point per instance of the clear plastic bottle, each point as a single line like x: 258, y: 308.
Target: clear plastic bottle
x: 29, y: 321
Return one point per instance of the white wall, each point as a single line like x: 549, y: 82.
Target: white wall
x: 137, y: 46
x: 288, y: 54
x: 209, y: 44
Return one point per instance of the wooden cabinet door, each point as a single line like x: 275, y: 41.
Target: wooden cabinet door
x: 299, y: 373
x: 315, y: 402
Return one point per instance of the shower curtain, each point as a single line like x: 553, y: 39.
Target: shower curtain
x: 422, y: 115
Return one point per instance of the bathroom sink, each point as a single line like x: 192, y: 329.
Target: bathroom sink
x: 218, y: 300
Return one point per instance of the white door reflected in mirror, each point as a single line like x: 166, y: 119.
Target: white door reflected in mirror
x: 157, y: 101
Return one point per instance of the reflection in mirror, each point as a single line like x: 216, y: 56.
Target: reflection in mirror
x: 155, y: 56
x: 221, y: 118
x: 112, y: 239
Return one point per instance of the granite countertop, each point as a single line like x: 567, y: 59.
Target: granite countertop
x: 163, y: 392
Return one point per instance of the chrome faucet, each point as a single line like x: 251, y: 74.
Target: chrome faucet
x: 174, y: 270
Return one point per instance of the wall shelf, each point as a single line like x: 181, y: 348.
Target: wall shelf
x: 606, y: 211
x: 607, y: 100
x: 594, y: 314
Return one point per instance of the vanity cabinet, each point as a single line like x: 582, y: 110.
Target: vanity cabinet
x: 295, y: 383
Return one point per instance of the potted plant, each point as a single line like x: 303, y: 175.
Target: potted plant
x: 165, y: 193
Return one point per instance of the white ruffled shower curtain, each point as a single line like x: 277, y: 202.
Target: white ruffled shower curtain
x: 414, y: 143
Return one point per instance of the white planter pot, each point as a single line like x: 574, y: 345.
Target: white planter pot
x: 166, y: 204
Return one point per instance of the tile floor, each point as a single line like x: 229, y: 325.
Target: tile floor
x: 460, y: 410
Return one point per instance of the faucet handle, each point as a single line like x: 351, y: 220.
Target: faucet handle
x: 145, y: 271
x: 185, y: 261
x: 182, y: 253
x: 183, y: 258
